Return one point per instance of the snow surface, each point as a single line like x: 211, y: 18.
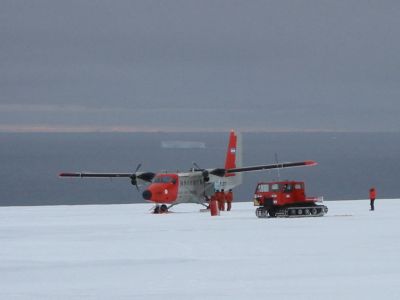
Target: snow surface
x: 124, y: 252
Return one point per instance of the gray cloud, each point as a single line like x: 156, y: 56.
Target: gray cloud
x: 329, y: 65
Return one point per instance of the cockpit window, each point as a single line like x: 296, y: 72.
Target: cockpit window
x: 163, y: 179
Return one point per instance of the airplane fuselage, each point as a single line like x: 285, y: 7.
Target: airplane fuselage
x: 190, y: 187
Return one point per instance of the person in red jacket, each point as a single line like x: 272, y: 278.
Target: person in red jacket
x: 372, y: 197
x: 221, y: 200
x: 229, y: 199
x: 213, y: 203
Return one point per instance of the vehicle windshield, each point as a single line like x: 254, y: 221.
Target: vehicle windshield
x: 163, y: 179
x: 286, y: 188
x: 262, y: 188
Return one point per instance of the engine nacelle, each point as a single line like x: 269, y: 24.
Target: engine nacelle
x: 206, y: 176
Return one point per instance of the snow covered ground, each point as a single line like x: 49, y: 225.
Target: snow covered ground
x: 124, y: 252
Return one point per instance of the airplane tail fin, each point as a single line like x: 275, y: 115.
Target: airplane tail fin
x: 230, y: 161
x: 234, y: 155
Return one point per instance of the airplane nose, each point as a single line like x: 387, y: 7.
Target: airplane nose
x: 146, y: 195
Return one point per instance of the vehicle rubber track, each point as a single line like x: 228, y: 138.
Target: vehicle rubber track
x: 292, y: 211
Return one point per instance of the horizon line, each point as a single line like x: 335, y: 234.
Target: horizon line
x: 133, y: 129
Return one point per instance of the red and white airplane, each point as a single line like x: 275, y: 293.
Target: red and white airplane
x: 196, y: 185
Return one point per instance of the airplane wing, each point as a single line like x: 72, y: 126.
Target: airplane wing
x: 222, y: 172
x: 98, y: 175
x: 272, y: 166
x: 137, y: 178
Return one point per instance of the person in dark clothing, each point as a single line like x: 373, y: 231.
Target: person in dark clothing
x: 372, y: 197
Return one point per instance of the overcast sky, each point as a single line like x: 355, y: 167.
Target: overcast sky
x: 200, y: 65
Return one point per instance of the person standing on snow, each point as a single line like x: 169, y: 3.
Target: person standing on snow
x: 229, y: 199
x: 372, y: 197
x: 221, y: 200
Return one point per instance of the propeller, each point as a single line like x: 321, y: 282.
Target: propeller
x: 134, y: 177
x: 146, y: 176
x: 205, y: 173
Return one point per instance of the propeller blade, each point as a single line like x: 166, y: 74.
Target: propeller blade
x: 134, y: 177
x: 197, y: 166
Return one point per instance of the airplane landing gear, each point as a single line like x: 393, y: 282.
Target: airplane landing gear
x: 160, y: 209
x: 163, y: 209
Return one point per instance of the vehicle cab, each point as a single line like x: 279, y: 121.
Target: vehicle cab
x: 279, y: 193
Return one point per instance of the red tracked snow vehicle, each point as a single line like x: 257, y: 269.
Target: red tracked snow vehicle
x: 286, y: 199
